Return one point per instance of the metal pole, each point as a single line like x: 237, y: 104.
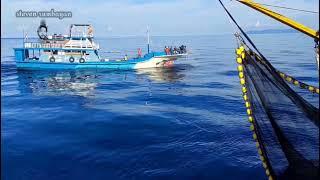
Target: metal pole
x: 24, y: 49
x: 148, y: 34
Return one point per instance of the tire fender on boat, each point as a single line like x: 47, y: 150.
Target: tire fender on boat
x: 71, y: 59
x: 52, y: 59
x: 82, y: 60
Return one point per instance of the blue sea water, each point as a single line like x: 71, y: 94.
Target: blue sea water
x: 187, y: 122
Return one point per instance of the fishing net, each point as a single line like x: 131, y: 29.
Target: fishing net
x: 285, y: 125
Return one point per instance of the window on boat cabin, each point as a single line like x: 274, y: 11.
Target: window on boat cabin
x: 32, y: 53
x: 55, y: 52
x: 85, y: 53
x: 72, y: 52
x: 26, y: 54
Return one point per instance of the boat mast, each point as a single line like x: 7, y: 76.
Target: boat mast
x: 148, y: 35
x: 23, y: 36
x: 283, y: 19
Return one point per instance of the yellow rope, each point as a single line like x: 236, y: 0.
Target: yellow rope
x: 298, y: 83
x: 292, y: 80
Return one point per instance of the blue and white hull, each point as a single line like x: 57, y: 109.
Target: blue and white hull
x: 151, y: 60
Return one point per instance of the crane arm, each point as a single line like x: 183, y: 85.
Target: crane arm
x: 285, y: 20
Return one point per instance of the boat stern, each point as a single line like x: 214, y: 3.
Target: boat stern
x: 160, y: 60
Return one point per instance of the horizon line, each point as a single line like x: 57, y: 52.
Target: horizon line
x: 170, y: 35
x: 118, y: 36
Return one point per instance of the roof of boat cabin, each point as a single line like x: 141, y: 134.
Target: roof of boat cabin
x: 56, y: 48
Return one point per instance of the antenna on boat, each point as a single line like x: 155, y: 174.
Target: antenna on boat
x: 23, y: 33
x: 23, y: 36
x: 148, y: 35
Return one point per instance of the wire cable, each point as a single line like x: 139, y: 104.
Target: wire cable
x: 283, y: 7
x: 245, y: 35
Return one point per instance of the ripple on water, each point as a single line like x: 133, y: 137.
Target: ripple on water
x: 187, y: 122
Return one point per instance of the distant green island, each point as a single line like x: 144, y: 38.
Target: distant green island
x: 272, y: 31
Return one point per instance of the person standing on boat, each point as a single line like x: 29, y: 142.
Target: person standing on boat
x: 181, y: 49
x: 139, y: 53
x: 90, y: 31
x: 167, y: 51
x: 171, y: 50
x: 175, y: 50
x: 126, y: 57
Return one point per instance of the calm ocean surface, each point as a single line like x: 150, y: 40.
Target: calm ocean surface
x: 188, y: 122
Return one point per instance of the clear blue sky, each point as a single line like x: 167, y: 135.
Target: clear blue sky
x: 165, y: 17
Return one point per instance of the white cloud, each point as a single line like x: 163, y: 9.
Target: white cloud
x: 257, y: 24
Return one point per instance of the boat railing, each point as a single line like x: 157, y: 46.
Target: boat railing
x: 95, y: 46
x: 82, y: 44
x: 59, y: 45
x: 42, y: 45
x: 81, y: 36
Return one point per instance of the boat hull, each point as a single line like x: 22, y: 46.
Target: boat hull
x: 149, y: 61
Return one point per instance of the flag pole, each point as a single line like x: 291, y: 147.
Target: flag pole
x: 148, y: 34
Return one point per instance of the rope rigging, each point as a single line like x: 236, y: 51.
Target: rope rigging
x: 245, y: 35
x: 294, y: 9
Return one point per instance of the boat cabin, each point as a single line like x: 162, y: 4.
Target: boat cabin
x: 78, y: 46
